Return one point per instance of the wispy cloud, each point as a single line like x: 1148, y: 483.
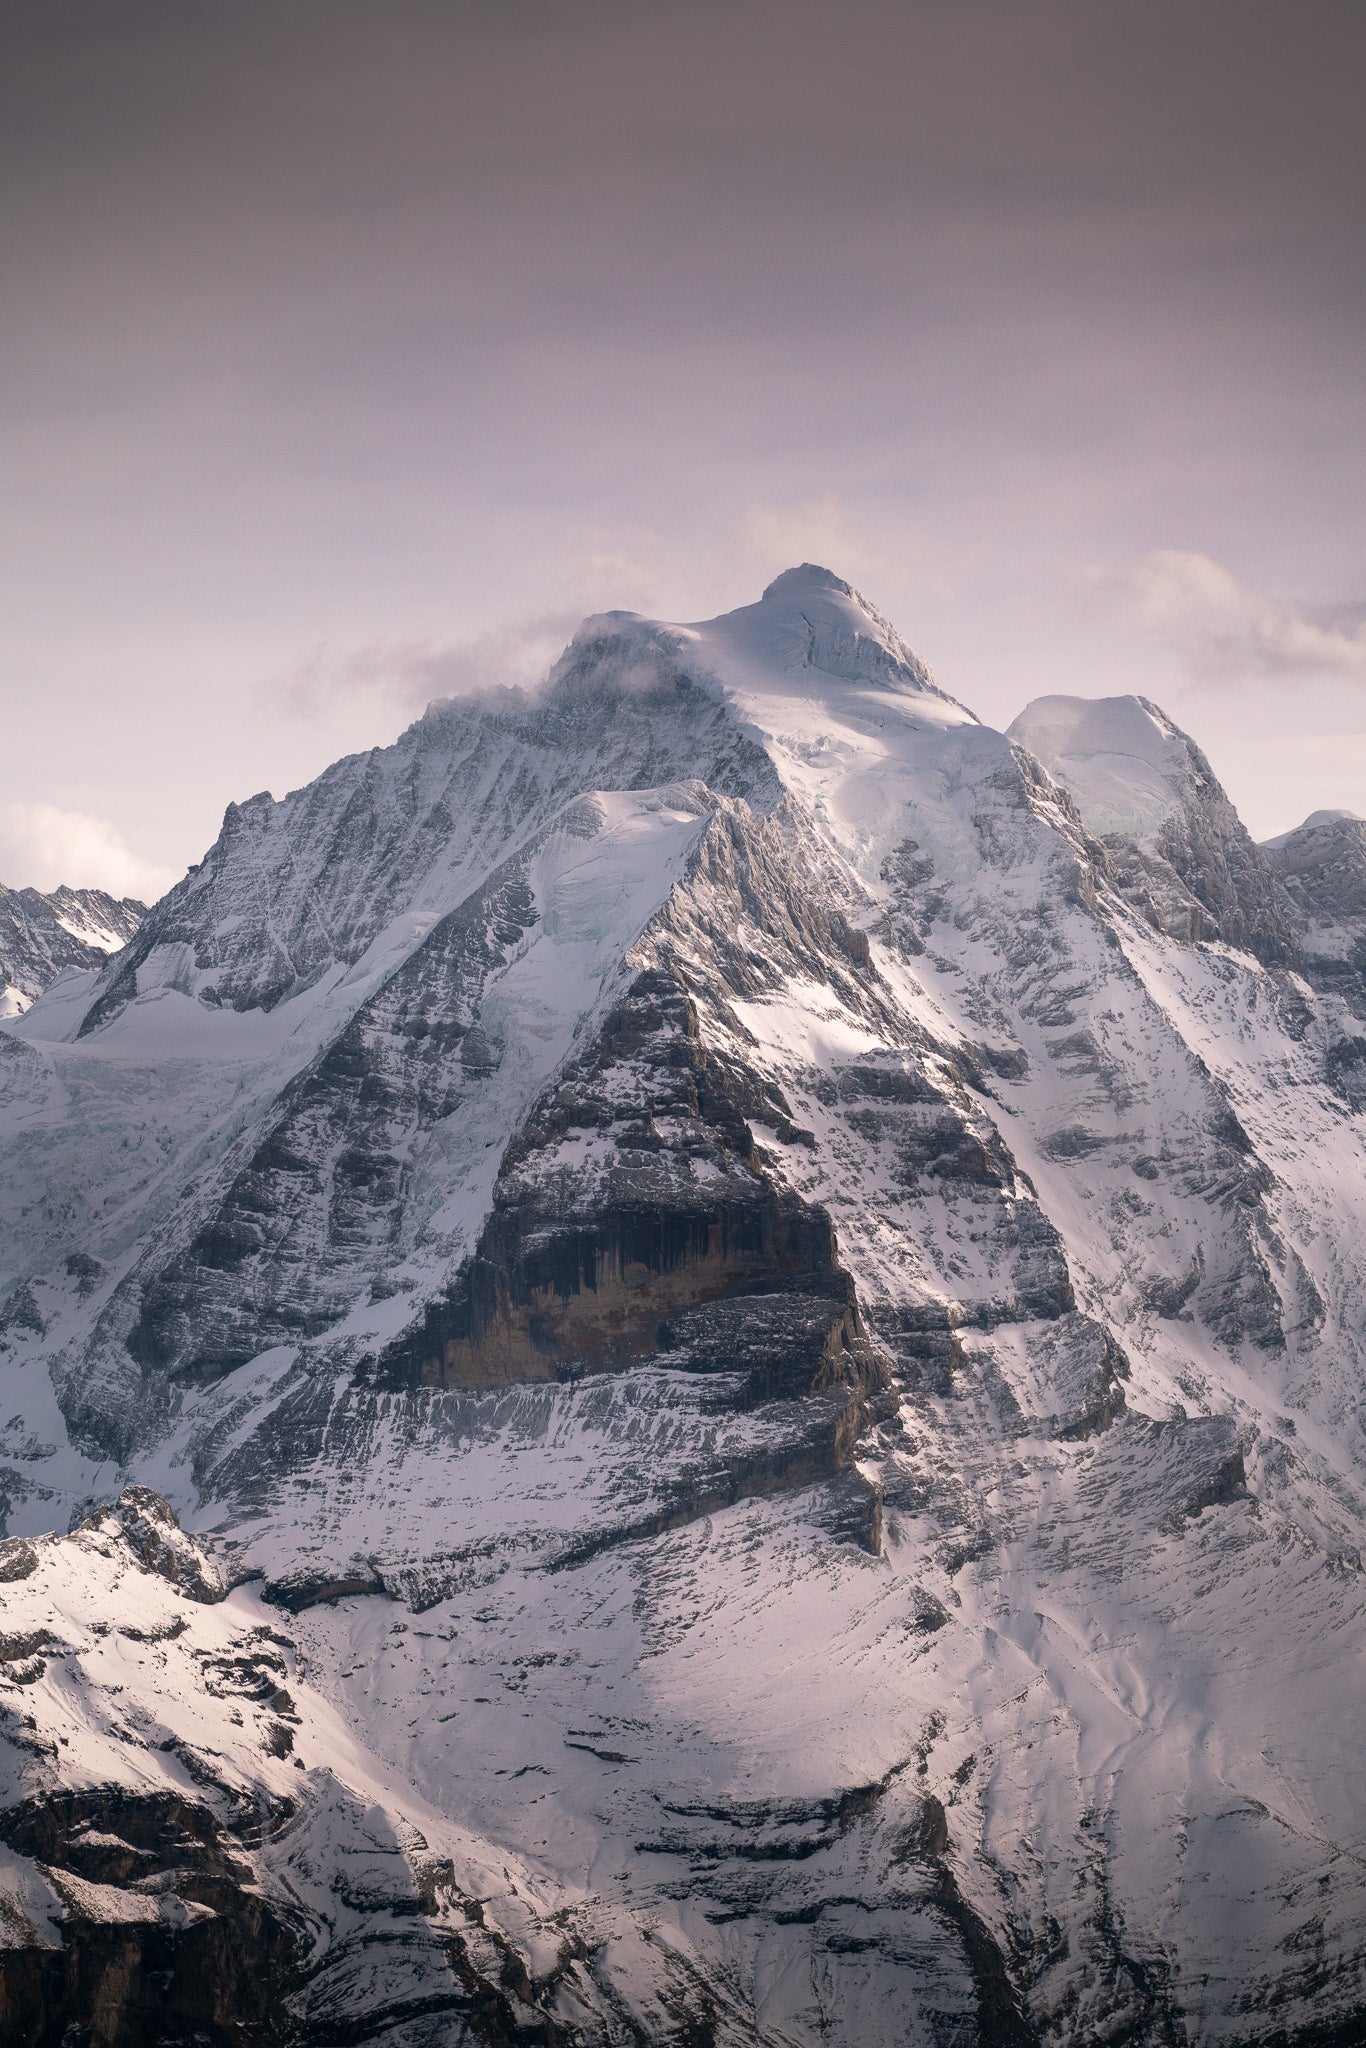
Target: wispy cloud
x: 607, y: 569
x: 646, y: 571
x: 42, y: 847
x: 1221, y: 630
x: 871, y: 551
x: 406, y: 675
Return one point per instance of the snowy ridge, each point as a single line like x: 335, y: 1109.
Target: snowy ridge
x: 1125, y: 765
x: 42, y: 937
x: 756, y: 1290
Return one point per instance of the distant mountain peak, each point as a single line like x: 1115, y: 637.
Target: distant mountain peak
x: 1144, y: 787
x: 810, y: 620
x: 43, y: 936
x: 1317, y: 821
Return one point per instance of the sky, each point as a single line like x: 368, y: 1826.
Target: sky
x: 351, y: 350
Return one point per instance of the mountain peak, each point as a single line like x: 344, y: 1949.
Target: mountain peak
x: 524, y: 1203
x: 1125, y: 764
x: 1178, y: 845
x: 808, y: 576
x: 809, y: 623
x: 1317, y: 821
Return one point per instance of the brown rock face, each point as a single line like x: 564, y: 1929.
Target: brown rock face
x: 164, y: 1939
x: 590, y: 1269
x: 601, y: 1296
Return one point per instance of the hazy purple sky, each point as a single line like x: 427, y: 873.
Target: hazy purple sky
x: 350, y: 350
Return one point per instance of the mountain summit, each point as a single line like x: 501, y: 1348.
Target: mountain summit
x: 684, y: 1363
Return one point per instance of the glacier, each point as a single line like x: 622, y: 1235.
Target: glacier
x: 723, y: 1260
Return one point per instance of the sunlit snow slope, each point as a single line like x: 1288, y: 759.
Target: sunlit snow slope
x: 749, y: 1296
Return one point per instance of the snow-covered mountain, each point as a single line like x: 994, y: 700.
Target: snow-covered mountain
x: 1321, y: 867
x: 1178, y: 849
x: 724, y: 1262
x: 42, y: 937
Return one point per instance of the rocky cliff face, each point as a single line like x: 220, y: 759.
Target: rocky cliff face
x: 1321, y: 869
x: 42, y: 937
x: 701, y: 1337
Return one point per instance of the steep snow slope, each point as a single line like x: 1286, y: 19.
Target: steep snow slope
x: 44, y: 936
x: 758, y: 1290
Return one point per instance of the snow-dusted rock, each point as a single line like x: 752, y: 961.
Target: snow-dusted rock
x: 1321, y: 867
x: 702, y: 1335
x: 42, y: 937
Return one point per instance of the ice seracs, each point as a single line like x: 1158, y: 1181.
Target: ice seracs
x: 751, y: 1294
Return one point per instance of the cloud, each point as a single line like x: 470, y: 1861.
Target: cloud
x: 879, y: 552
x: 405, y: 676
x: 1222, y: 630
x: 629, y: 568
x: 869, y: 551
x: 42, y: 847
